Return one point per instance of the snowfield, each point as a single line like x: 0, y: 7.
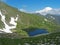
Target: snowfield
x: 8, y: 28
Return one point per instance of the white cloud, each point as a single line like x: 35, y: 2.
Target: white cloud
x: 48, y: 10
x: 22, y: 10
x: 45, y: 9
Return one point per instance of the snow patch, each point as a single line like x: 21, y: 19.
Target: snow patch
x: 12, y: 21
x: 52, y: 17
x: 8, y: 28
x: 45, y: 19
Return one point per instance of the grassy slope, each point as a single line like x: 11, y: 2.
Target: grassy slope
x: 44, y: 39
x: 27, y: 20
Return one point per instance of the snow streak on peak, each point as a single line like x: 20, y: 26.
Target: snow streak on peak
x: 8, y: 28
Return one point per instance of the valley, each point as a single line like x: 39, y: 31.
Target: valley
x: 22, y: 28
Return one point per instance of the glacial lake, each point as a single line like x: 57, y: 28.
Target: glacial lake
x: 37, y: 31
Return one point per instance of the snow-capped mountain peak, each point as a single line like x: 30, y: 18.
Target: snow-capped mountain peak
x: 49, y: 10
x: 44, y: 11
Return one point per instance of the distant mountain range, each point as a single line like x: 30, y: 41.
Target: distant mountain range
x: 56, y: 18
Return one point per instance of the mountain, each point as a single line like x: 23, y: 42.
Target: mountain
x: 14, y: 21
x: 49, y: 10
x: 44, y: 11
x: 56, y: 18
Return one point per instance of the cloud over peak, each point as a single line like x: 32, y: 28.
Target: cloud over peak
x: 45, y: 9
x: 48, y: 10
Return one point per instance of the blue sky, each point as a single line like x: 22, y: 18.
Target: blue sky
x: 33, y: 5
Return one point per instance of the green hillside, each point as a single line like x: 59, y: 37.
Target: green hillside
x: 27, y: 20
x: 50, y: 39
